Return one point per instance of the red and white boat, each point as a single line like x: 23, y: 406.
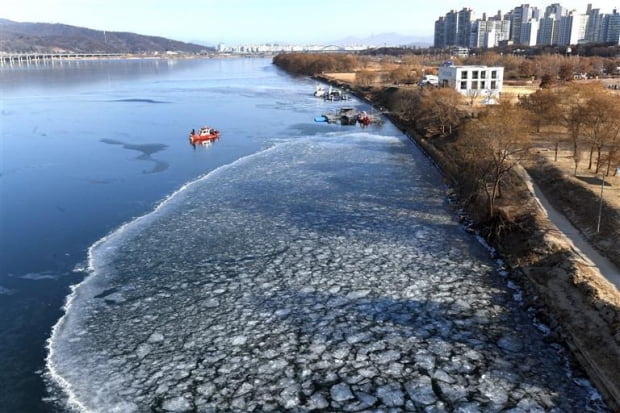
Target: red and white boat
x: 364, y: 119
x: 205, y: 134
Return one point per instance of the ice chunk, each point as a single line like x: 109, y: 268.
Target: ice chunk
x: 238, y: 340
x: 156, y: 338
x: 283, y: 312
x: 244, y: 389
x: 272, y: 366
x: 469, y: 408
x: 391, y: 395
x: 453, y: 392
x: 176, y: 404
x: 425, y: 361
x: 529, y: 405
x: 211, y: 303
x: 341, y: 353
x: 290, y: 396
x: 358, y: 338
x: 206, y: 389
x: 143, y: 350
x: 116, y: 298
x: 366, y: 399
x: 124, y: 407
x: 341, y: 392
x: 317, y: 401
x: 386, y: 356
x: 443, y: 376
x: 317, y: 348
x: 368, y: 372
x: 494, y: 391
x: 353, y: 295
x: 421, y: 391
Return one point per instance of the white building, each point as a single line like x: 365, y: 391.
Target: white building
x: 484, y: 81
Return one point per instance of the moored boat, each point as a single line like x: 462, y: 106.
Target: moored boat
x: 335, y: 95
x: 205, y: 134
x: 319, y: 91
x: 345, y: 116
x: 363, y: 118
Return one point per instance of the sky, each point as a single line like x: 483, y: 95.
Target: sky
x: 234, y: 22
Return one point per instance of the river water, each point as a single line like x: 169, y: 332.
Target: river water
x: 290, y: 265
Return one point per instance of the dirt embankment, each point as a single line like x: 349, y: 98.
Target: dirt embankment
x: 581, y: 307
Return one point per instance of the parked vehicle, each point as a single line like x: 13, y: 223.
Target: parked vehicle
x: 431, y: 80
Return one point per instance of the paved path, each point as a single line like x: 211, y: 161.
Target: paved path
x: 610, y: 271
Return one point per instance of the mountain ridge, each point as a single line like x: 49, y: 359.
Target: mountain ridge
x: 29, y: 37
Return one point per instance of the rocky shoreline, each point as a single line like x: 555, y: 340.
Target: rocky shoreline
x: 581, y: 307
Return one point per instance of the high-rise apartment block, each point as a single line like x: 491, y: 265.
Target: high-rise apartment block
x: 454, y: 28
x: 526, y: 25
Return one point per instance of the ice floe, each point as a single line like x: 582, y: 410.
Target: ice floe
x: 319, y: 274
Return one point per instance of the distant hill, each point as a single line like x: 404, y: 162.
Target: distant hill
x: 387, y: 39
x: 60, y: 38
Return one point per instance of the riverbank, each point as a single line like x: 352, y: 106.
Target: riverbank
x: 562, y: 288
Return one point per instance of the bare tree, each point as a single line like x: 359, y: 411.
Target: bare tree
x: 365, y: 77
x: 495, y: 142
x: 566, y: 71
x: 440, y: 106
x: 543, y: 106
x: 573, y: 115
x: 405, y: 102
x: 399, y: 75
x: 472, y: 94
x: 601, y: 123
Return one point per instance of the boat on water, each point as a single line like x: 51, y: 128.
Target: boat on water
x: 330, y: 94
x: 349, y: 116
x: 364, y: 118
x: 319, y: 92
x: 345, y: 116
x: 335, y: 95
x: 205, y: 134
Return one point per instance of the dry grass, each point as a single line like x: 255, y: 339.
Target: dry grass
x: 585, y: 177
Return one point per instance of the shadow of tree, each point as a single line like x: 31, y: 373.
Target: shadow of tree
x: 593, y: 180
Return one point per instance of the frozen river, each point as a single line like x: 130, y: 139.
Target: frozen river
x: 295, y: 267
x: 323, y: 273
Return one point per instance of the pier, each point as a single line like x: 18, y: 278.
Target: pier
x: 10, y: 59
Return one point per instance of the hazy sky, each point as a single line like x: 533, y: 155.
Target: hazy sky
x: 260, y: 21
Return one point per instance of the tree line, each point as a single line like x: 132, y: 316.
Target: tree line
x: 487, y: 144
x: 410, y: 68
x: 590, y: 115
x: 484, y: 145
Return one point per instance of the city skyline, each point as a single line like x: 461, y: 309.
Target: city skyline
x: 527, y: 25
x: 253, y: 21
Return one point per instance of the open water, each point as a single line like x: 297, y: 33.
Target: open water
x: 290, y: 265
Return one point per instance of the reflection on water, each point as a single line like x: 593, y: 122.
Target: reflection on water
x: 70, y: 73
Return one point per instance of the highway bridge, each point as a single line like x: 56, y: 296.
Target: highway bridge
x: 8, y: 59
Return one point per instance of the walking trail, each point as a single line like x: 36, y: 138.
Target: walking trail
x: 581, y: 246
